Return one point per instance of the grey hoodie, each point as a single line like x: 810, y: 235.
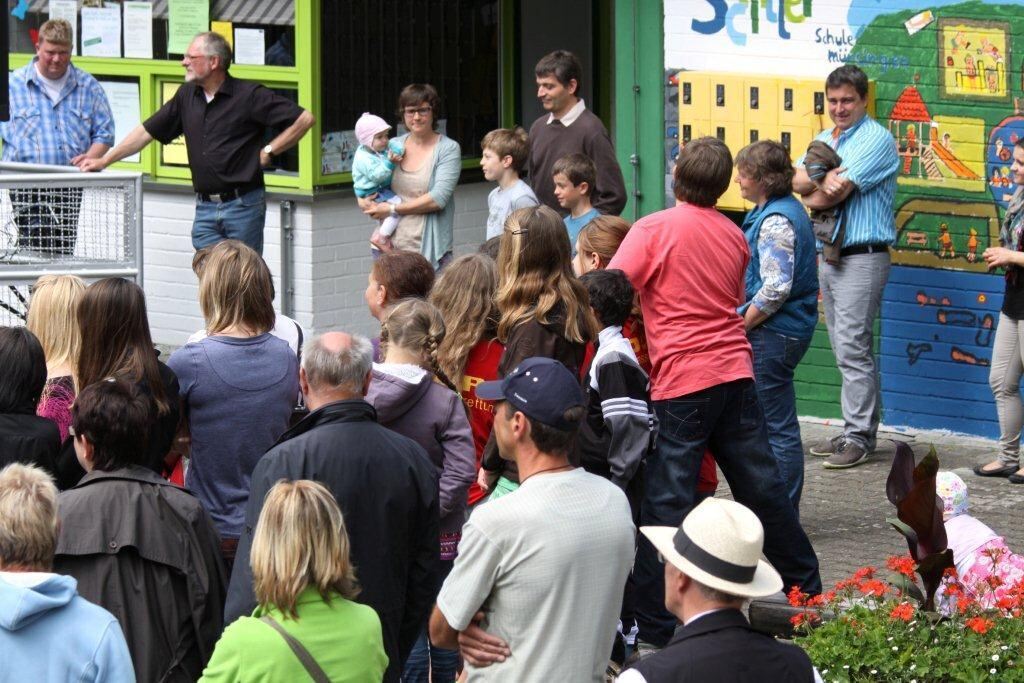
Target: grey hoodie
x: 410, y: 402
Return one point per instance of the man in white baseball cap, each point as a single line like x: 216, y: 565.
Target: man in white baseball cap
x: 712, y: 566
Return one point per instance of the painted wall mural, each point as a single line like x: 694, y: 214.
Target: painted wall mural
x: 949, y: 85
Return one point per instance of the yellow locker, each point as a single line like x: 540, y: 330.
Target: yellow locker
x: 795, y: 139
x: 728, y: 101
x: 732, y: 134
x: 694, y: 97
x: 761, y: 111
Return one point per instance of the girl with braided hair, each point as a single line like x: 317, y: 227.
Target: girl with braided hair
x: 415, y: 398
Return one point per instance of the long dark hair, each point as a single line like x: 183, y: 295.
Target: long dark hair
x: 115, y: 338
x: 24, y: 371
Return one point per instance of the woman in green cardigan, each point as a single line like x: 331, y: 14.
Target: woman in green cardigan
x: 304, y: 585
x: 425, y: 179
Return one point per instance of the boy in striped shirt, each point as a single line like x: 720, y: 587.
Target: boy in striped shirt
x: 620, y: 426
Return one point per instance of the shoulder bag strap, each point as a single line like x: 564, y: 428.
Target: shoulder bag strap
x: 312, y: 668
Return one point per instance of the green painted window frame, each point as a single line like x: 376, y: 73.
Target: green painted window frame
x: 153, y: 72
x: 506, y: 91
x: 305, y: 76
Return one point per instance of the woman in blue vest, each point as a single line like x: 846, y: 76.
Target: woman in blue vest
x: 781, y: 308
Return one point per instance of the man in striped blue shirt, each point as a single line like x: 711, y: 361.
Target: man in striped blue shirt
x: 59, y: 115
x: 851, y: 291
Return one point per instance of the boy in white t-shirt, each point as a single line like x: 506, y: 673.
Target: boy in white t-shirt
x: 546, y: 563
x: 505, y: 151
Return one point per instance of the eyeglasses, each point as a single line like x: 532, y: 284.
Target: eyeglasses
x: 192, y: 58
x: 422, y: 111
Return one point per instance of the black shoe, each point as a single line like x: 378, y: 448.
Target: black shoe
x: 1016, y: 478
x: 1004, y: 471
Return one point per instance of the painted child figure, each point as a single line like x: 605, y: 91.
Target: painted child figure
x: 985, y: 566
x: 372, y: 167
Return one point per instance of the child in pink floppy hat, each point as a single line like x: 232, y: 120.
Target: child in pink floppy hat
x: 986, y: 568
x: 372, y: 167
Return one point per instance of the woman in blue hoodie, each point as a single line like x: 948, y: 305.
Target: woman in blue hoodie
x: 47, y: 631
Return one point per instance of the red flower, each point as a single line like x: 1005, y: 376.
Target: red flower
x: 904, y: 565
x: 904, y: 611
x: 950, y: 572
x: 953, y: 590
x: 798, y: 619
x: 873, y: 587
x: 1006, y: 603
x: 864, y: 573
x: 796, y: 597
x: 829, y: 596
x: 994, y: 581
x: 964, y: 603
x: 979, y: 624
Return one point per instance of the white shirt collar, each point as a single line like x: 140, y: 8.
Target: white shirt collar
x: 570, y: 115
x: 695, y: 617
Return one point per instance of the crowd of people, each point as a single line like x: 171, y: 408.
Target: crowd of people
x: 462, y: 494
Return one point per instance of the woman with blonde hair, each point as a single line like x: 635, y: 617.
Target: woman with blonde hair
x: 237, y: 385
x: 470, y: 351
x: 51, y: 317
x: 544, y: 311
x: 305, y: 585
x: 409, y: 401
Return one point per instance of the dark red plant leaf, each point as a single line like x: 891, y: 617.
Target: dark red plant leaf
x: 920, y: 509
x: 931, y: 569
x: 909, y: 534
x: 901, y: 474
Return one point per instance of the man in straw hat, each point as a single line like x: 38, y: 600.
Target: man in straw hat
x: 712, y: 565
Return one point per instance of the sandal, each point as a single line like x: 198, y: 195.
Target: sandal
x: 1004, y: 471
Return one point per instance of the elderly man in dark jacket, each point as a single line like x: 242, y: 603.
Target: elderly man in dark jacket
x: 383, y: 482
x: 139, y: 546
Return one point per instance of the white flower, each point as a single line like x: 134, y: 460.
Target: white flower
x: 825, y: 671
x: 991, y: 671
x: 895, y: 648
x: 874, y: 671
x: 995, y: 658
x: 846, y: 666
x: 1005, y: 647
x: 913, y: 666
x: 890, y: 639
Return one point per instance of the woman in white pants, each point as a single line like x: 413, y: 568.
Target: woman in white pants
x: 1008, y: 349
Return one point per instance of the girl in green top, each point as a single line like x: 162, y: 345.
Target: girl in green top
x: 304, y: 582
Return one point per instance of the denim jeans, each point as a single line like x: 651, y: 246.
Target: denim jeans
x: 427, y: 663
x: 775, y: 359
x: 728, y: 418
x: 239, y: 219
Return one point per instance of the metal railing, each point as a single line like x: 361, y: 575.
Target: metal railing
x: 56, y: 219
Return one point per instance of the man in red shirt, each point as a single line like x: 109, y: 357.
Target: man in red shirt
x: 688, y: 265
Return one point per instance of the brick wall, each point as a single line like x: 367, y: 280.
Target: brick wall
x: 330, y: 266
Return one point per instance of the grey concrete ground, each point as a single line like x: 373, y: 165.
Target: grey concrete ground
x: 844, y: 511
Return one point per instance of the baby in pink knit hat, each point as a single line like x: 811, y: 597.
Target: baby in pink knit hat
x: 372, y: 166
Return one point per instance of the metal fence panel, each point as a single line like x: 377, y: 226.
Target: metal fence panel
x: 55, y: 219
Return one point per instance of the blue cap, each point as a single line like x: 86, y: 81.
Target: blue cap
x: 541, y: 388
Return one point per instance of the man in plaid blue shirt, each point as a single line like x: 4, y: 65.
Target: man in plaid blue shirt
x: 59, y: 116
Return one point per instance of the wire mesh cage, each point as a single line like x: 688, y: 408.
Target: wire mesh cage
x: 54, y: 219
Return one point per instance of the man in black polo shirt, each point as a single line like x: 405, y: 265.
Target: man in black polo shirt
x: 223, y: 120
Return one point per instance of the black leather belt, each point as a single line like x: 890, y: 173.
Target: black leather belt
x: 864, y: 249
x: 226, y: 196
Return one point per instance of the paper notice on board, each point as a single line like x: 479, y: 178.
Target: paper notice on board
x: 67, y: 9
x: 224, y: 28
x: 174, y: 152
x: 138, y: 30
x: 124, y: 103
x: 250, y: 46
x: 101, y: 31
x: 186, y: 18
